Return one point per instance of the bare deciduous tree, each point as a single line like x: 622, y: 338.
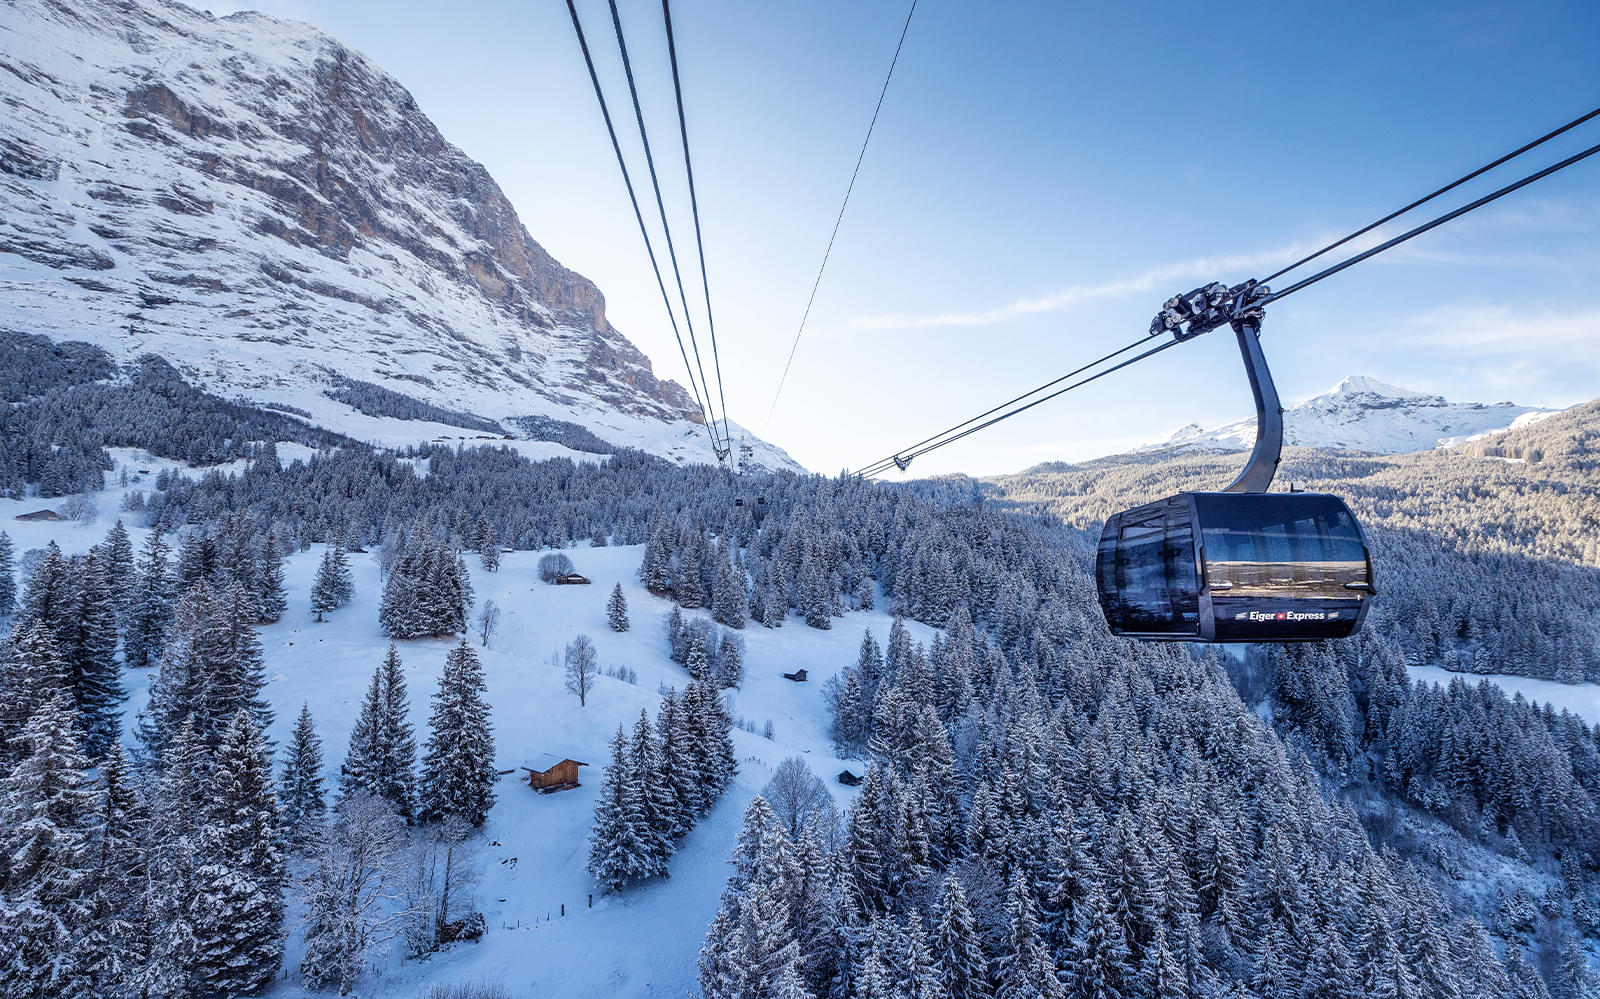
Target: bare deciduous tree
x: 582, y: 668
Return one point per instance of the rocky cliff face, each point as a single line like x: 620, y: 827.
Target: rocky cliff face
x: 266, y: 208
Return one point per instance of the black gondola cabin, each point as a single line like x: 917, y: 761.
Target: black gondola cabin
x: 1235, y: 567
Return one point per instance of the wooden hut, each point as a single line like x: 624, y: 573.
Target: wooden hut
x: 572, y: 579
x: 798, y: 676
x: 39, y: 515
x: 562, y: 776
x: 848, y: 779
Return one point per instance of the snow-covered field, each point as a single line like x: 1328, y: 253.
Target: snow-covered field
x: 642, y: 943
x: 1582, y: 699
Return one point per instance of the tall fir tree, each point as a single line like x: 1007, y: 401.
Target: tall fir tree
x: 730, y: 600
x: 304, y: 801
x: 958, y: 958
x: 617, y: 609
x: 8, y: 576
x: 111, y: 952
x: 32, y: 671
x: 325, y: 586
x: 150, y: 607
x: 397, y: 777
x: 239, y: 904
x: 45, y: 817
x: 458, y: 771
x: 91, y: 653
x: 121, y: 573
x: 271, y: 597
x: 621, y: 848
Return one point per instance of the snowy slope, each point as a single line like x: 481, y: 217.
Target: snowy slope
x: 1364, y: 414
x: 1582, y: 699
x: 642, y: 943
x: 266, y: 209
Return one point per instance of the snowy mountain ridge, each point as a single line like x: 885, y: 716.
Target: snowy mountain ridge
x: 269, y: 211
x: 1364, y: 414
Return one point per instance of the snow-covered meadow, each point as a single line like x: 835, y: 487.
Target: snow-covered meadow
x: 534, y: 847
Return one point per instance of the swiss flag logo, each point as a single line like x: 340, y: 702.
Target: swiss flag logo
x: 1282, y: 617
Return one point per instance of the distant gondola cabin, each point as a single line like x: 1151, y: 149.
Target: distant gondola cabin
x: 572, y: 579
x: 558, y: 778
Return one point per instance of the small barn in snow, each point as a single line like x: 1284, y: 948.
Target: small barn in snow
x: 560, y: 777
x: 798, y: 676
x: 572, y: 579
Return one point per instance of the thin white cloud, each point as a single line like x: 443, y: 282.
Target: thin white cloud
x: 1495, y: 329
x: 1157, y: 279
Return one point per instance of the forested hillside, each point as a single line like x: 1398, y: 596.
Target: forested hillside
x: 1045, y: 810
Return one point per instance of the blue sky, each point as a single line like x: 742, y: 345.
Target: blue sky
x: 1043, y: 176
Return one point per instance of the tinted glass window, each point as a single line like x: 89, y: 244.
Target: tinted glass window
x: 1287, y: 544
x: 1151, y: 580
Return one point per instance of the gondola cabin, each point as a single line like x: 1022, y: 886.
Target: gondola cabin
x: 1235, y: 567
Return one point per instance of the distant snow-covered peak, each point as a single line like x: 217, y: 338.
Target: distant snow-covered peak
x: 1362, y: 413
x: 1366, y: 385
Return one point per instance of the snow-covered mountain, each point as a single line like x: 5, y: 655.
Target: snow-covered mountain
x: 1364, y: 414
x: 268, y: 210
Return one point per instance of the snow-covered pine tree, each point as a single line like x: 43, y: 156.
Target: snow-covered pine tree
x: 620, y: 844
x: 119, y: 567
x: 47, y: 598
x: 677, y: 637
x: 683, y: 764
x: 32, y: 671
x: 655, y: 572
x: 271, y: 598
x: 45, y: 817
x: 8, y: 576
x: 150, y: 607
x: 487, y: 544
x: 343, y: 582
x: 396, y: 776
x: 730, y: 660
x: 774, y: 603
x: 696, y: 658
x: 111, y: 951
x: 752, y: 940
x: 304, y: 803
x: 958, y: 958
x: 91, y: 652
x: 709, y: 737
x: 239, y: 905
x: 730, y: 601
x: 657, y: 804
x: 816, y: 600
x: 363, y: 760
x: 325, y: 587
x: 180, y: 793
x: 617, y: 609
x: 458, y: 772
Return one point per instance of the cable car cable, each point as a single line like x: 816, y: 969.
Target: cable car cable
x: 1434, y: 223
x: 627, y: 181
x: 836, y: 222
x: 655, y: 183
x: 1076, y: 371
x: 905, y: 459
x: 1569, y: 126
x: 694, y: 207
